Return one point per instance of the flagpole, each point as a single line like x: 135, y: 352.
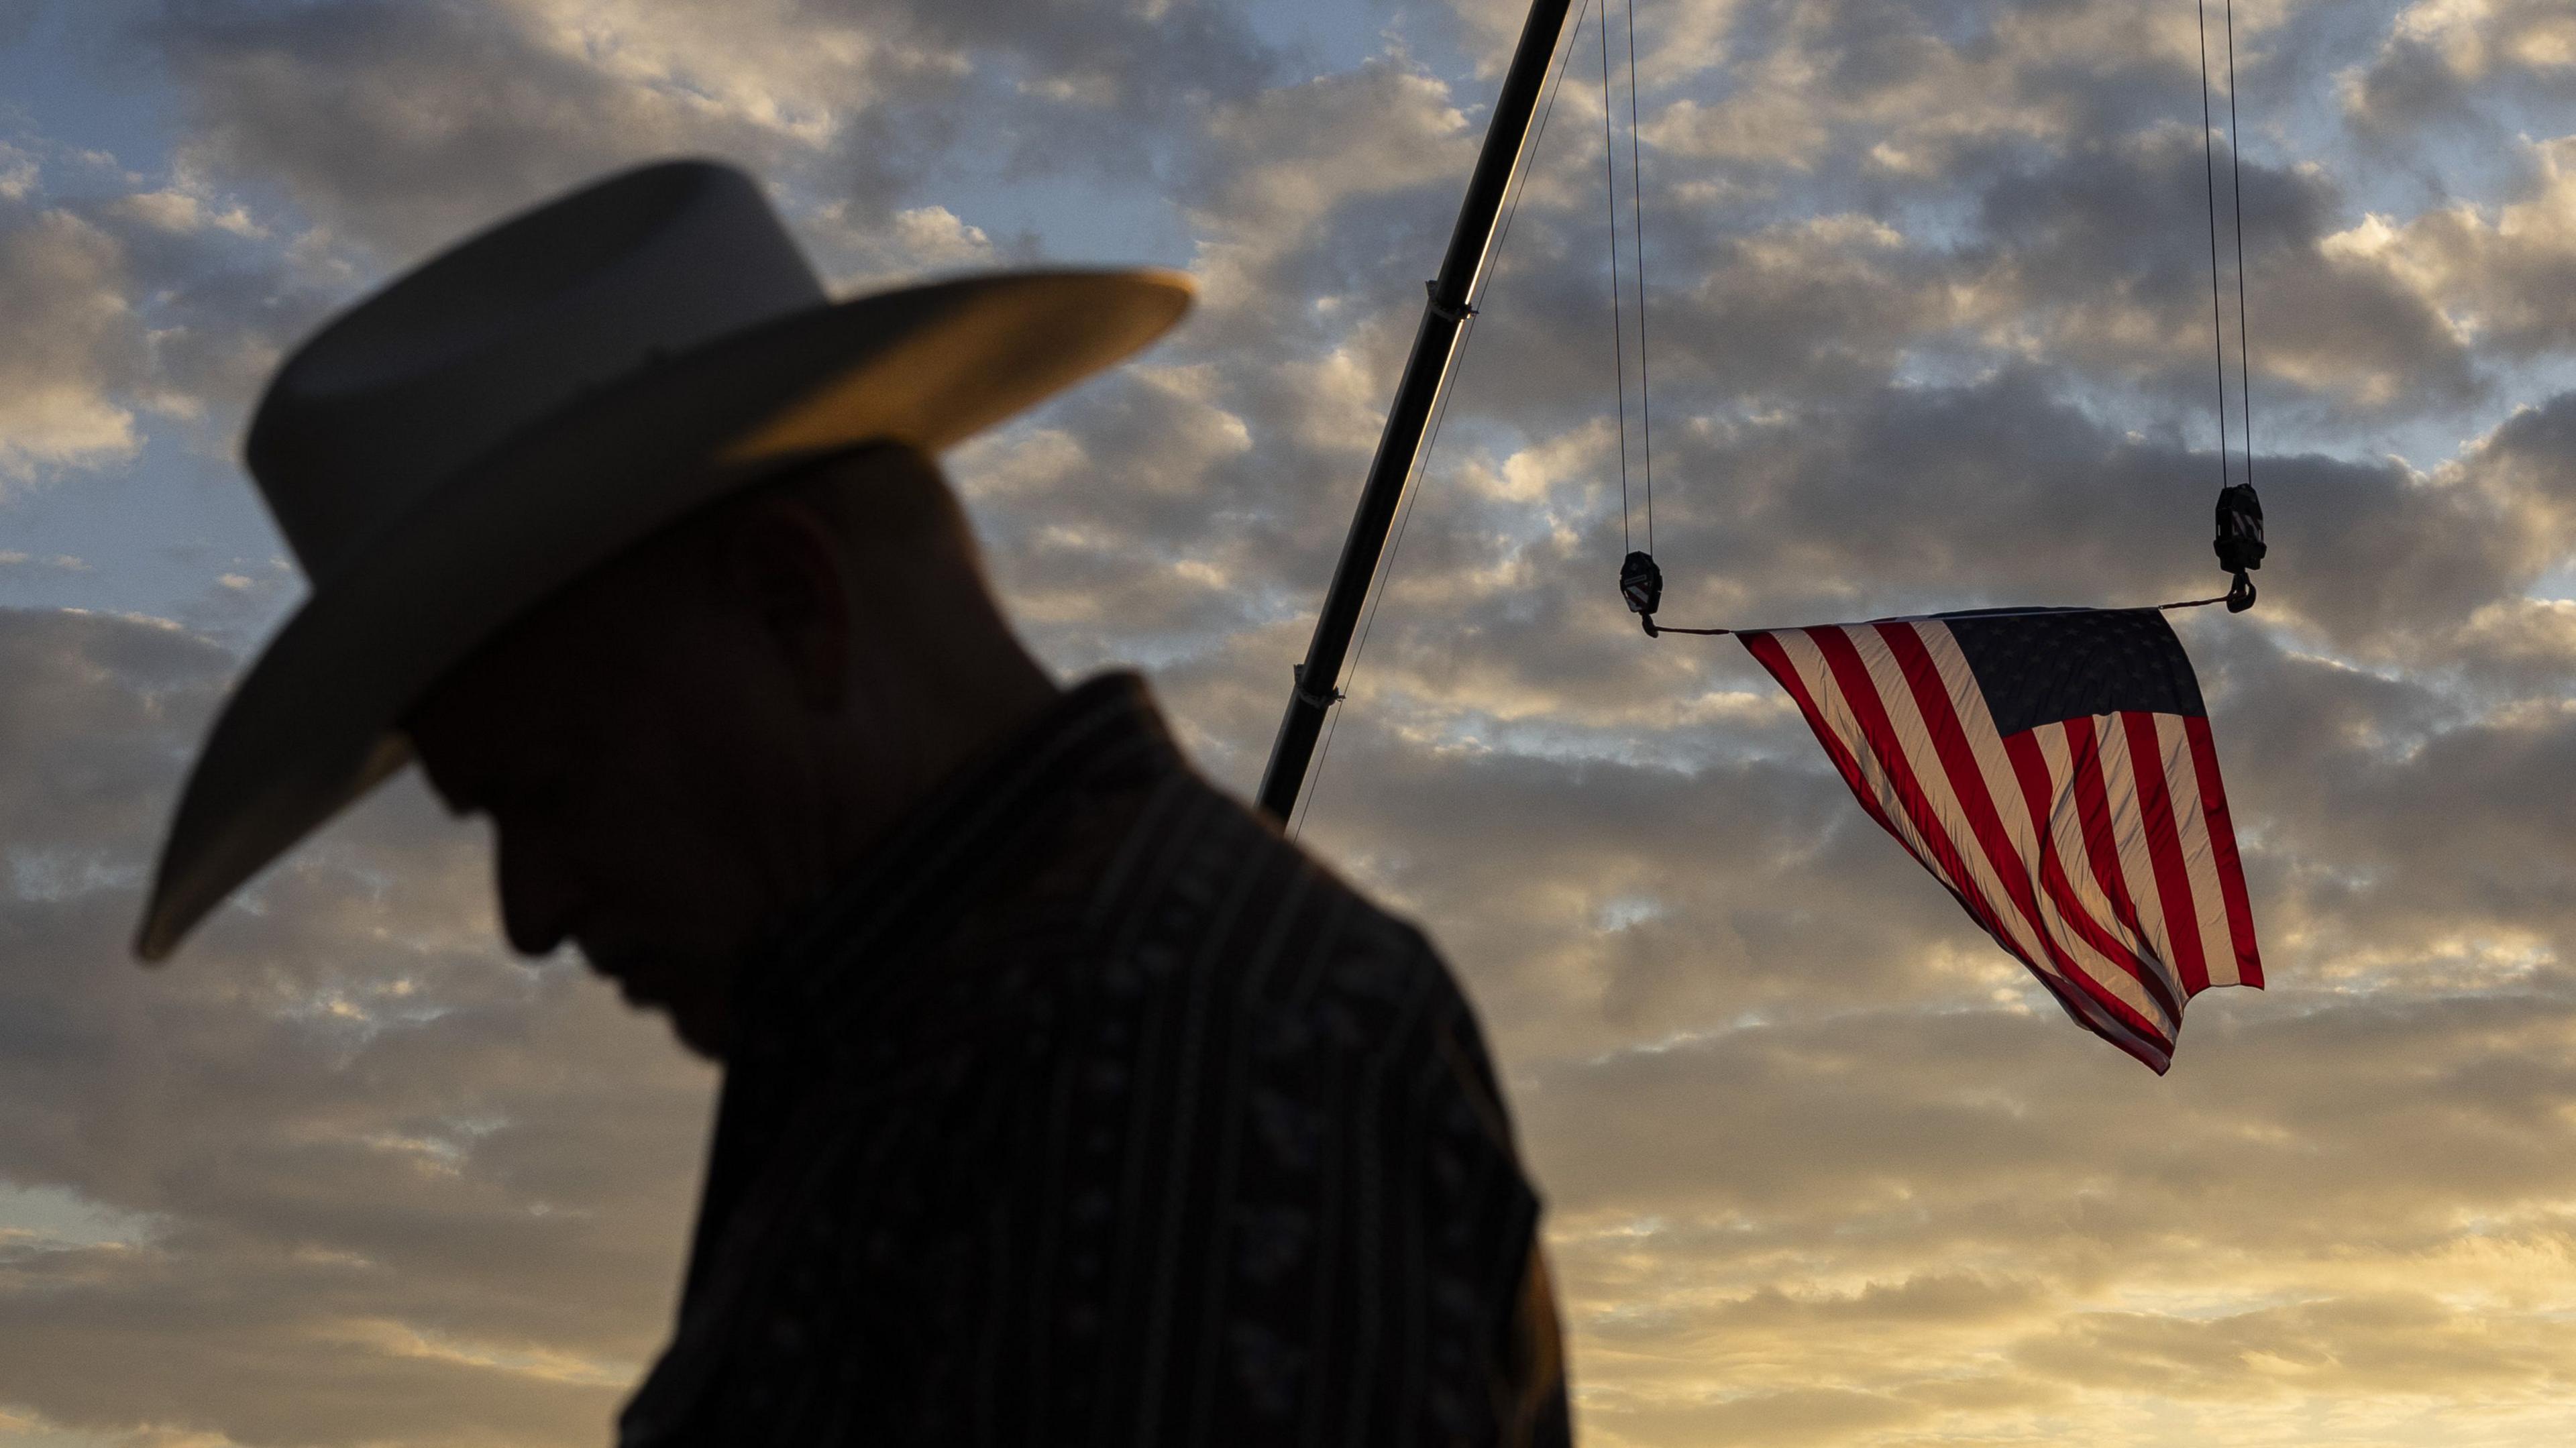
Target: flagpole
x: 1435, y: 347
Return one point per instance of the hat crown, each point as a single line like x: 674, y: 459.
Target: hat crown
x: 406, y: 389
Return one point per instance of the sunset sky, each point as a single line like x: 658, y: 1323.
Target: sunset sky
x: 1930, y: 327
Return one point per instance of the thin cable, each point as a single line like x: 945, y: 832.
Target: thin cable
x: 2236, y: 170
x: 1403, y: 521
x: 1618, y: 342
x: 1982, y: 613
x: 1404, y: 518
x: 2209, y: 162
x: 1637, y: 206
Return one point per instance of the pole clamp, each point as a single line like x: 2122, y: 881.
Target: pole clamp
x: 1320, y: 702
x: 1459, y: 313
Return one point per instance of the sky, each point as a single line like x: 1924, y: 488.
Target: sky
x: 1929, y: 327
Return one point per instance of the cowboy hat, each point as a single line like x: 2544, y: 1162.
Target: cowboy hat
x: 526, y: 405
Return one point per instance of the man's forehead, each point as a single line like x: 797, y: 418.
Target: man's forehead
x: 519, y: 680
x: 559, y: 662
x: 593, y: 621
x: 504, y: 673
x: 471, y: 728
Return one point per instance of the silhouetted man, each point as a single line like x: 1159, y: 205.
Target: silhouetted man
x: 1065, y: 1102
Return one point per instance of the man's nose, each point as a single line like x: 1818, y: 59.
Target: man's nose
x: 537, y: 896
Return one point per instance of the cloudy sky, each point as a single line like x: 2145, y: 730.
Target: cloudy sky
x: 1930, y: 328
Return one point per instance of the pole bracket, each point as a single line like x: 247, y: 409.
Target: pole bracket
x: 1322, y: 701
x: 1459, y: 313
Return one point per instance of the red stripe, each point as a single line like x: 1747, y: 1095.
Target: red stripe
x: 1861, y: 692
x: 1767, y: 652
x: 2156, y: 1053
x: 1968, y: 784
x: 2030, y: 771
x: 2222, y: 849
x: 2093, y: 809
x: 2079, y: 1007
x: 2164, y: 849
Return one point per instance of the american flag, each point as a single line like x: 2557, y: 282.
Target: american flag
x: 2053, y: 768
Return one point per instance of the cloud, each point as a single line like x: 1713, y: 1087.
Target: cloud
x: 62, y: 562
x: 76, y: 347
x: 2440, y: 55
x: 1930, y: 330
x: 386, y: 1183
x: 2503, y: 276
x: 399, y: 127
x: 18, y: 173
x: 1283, y: 192
x: 402, y: 126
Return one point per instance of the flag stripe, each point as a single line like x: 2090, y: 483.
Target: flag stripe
x: 2098, y: 838
x: 1775, y: 655
x: 1928, y: 692
x: 1911, y: 735
x: 1841, y: 676
x: 2164, y: 849
x: 2089, y: 913
x: 2081, y: 1008
x: 2182, y: 784
x: 2132, y: 856
x: 1841, y: 718
x: 1838, y: 716
x: 2017, y: 765
x: 1858, y: 691
x: 2048, y: 768
x: 2222, y: 845
x: 1794, y: 661
x: 1865, y: 718
x: 2096, y: 849
x: 2086, y: 773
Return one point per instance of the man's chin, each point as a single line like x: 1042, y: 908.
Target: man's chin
x: 650, y: 987
x: 699, y: 1033
x: 638, y: 993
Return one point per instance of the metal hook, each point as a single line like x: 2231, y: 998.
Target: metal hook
x: 1641, y: 586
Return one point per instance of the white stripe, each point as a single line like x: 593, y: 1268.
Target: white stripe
x: 2129, y: 831
x: 2012, y: 810
x: 2191, y: 826
x: 2102, y: 1022
x: 2066, y: 823
x: 1835, y: 713
x: 1906, y: 717
x: 1818, y: 676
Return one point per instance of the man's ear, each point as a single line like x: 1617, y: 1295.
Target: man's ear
x: 783, y: 561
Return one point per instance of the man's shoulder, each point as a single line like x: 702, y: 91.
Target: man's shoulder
x: 1200, y: 891
x: 1226, y: 980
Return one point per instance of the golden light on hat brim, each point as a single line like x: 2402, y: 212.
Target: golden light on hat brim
x: 311, y: 725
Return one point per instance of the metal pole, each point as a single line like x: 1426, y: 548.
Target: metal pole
x: 1435, y: 346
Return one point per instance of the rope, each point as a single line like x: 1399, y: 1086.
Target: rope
x: 1618, y: 342
x: 2239, y: 544
x: 2209, y: 167
x: 1637, y: 207
x: 1660, y: 629
x: 1404, y: 518
x: 2236, y: 173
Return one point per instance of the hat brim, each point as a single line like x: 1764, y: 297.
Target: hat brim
x: 311, y: 725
